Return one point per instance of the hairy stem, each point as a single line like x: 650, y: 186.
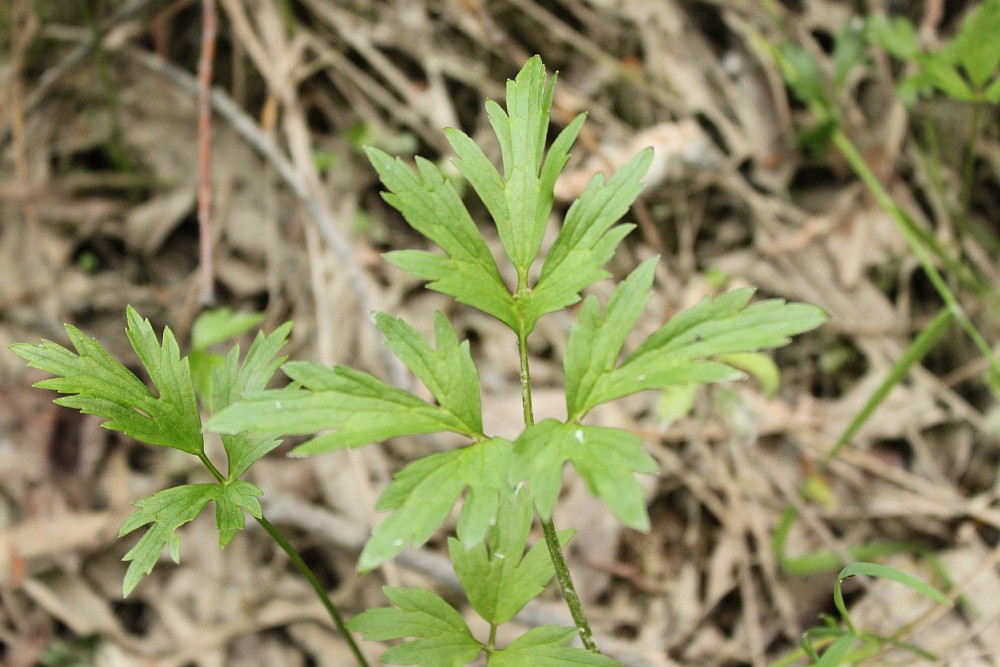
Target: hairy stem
x: 548, y: 527
x: 317, y: 587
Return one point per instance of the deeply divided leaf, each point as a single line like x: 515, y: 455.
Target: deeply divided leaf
x: 431, y: 206
x: 423, y: 493
x: 606, y: 459
x: 360, y: 407
x: 99, y: 385
x: 519, y: 200
x: 498, y: 577
x: 438, y: 635
x: 521, y: 130
x: 447, y: 372
x: 681, y: 350
x: 596, y: 340
x: 231, y: 382
x: 587, y: 239
x: 687, y: 349
x: 170, y: 509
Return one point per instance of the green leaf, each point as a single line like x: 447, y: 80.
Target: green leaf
x: 232, y: 381
x: 848, y: 51
x: 945, y: 77
x: 596, y: 340
x: 838, y: 650
x: 758, y: 365
x: 992, y: 93
x: 978, y: 45
x: 230, y: 501
x: 897, y: 36
x: 431, y: 206
x: 100, y: 385
x: 527, y: 193
x: 499, y: 578
x: 605, y: 458
x: 587, y: 239
x: 170, y: 509
x: 681, y: 351
x: 442, y: 639
x: 448, y: 372
x: 363, y: 409
x: 219, y: 325
x: 423, y: 493
x: 546, y: 646
x: 882, y: 572
x: 803, y: 75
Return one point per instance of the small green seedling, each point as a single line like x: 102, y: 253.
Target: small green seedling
x: 502, y: 483
x: 841, y: 640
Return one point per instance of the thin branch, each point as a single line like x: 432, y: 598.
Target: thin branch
x: 246, y: 127
x: 209, y: 23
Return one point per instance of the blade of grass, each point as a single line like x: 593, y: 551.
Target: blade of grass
x: 824, y: 560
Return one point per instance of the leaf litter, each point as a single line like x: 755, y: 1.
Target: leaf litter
x: 737, y: 202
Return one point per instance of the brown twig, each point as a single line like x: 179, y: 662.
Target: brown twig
x: 24, y: 27
x: 361, y: 284
x: 208, y: 32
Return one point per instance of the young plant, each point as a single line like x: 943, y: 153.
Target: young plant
x: 355, y: 408
x: 97, y: 384
x: 841, y: 640
x: 504, y: 482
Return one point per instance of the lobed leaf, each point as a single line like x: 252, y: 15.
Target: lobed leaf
x: 587, y: 239
x: 423, y: 493
x: 499, y: 578
x: 430, y: 205
x: 99, y: 385
x: 361, y: 407
x: 546, y: 646
x: 691, y: 348
x: 679, y: 351
x: 521, y: 131
x: 447, y: 372
x: 170, y: 509
x: 977, y: 44
x: 231, y: 382
x: 231, y: 500
x: 596, y: 340
x: 605, y: 458
x: 442, y: 639
x: 220, y: 325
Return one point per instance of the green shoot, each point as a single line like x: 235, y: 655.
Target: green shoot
x: 708, y: 343
x: 845, y: 639
x: 168, y: 416
x: 501, y: 484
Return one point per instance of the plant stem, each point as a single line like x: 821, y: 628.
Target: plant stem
x: 303, y: 569
x: 219, y: 477
x: 566, y: 584
x: 969, y: 169
x: 548, y: 527
x: 317, y: 587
